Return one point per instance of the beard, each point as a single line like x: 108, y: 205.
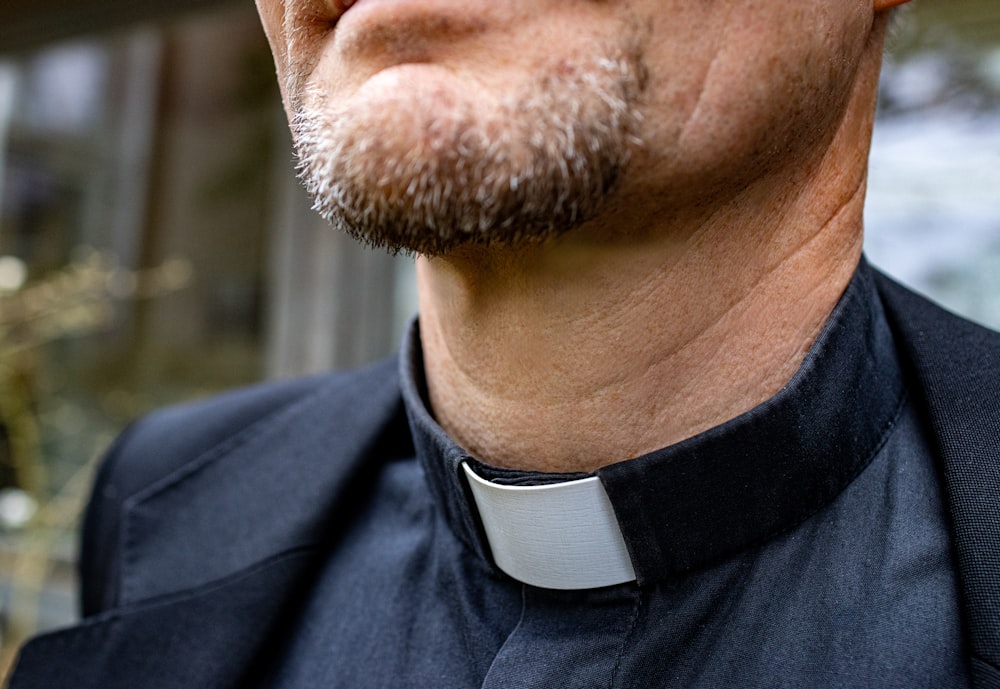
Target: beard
x: 429, y: 170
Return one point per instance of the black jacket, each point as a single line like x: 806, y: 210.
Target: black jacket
x: 166, y: 610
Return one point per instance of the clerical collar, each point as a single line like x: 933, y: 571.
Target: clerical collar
x: 695, y: 503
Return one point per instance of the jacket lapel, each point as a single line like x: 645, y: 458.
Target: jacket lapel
x: 958, y: 367
x: 283, y: 483
x: 205, y: 639
x: 213, y: 556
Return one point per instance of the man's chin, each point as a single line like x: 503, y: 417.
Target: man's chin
x: 438, y: 241
x: 430, y: 170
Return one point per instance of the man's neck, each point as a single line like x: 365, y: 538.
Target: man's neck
x: 564, y: 361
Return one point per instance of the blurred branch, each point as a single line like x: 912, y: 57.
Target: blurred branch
x: 78, y: 300
x: 74, y: 301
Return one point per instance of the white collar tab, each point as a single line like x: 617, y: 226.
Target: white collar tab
x: 558, y: 536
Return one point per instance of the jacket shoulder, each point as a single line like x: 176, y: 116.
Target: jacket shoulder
x: 936, y: 331
x: 156, y: 447
x: 956, y: 365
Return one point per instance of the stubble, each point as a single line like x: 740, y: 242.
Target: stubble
x: 430, y: 170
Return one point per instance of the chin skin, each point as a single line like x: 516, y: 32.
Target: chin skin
x: 421, y: 158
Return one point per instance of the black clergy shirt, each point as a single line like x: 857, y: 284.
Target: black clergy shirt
x: 802, y: 544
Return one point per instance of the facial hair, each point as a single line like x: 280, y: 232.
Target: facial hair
x: 430, y: 170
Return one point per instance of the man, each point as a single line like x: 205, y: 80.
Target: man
x: 659, y: 425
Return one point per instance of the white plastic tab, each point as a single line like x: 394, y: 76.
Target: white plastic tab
x: 557, y: 536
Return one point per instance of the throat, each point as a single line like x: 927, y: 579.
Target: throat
x: 543, y: 376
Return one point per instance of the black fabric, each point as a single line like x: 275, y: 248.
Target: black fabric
x: 958, y: 366
x: 299, y: 543
x: 206, y: 638
x: 164, y: 449
x: 861, y: 595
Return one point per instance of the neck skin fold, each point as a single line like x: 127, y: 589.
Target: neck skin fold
x: 609, y: 344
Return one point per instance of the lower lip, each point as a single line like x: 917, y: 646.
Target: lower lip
x: 414, y: 14
x: 348, y: 5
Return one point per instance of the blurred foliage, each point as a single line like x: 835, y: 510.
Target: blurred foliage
x: 35, y: 512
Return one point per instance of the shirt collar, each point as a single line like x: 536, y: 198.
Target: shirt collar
x: 733, y: 487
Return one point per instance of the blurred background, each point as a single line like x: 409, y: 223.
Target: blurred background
x: 155, y: 246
